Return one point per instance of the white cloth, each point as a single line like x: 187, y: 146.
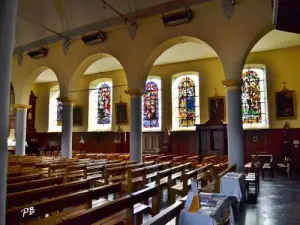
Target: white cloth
x: 233, y: 184
x: 208, y: 215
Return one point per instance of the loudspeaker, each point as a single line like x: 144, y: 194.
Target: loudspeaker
x: 286, y: 15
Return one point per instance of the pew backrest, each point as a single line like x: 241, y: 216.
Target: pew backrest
x: 93, y: 215
x: 231, y: 168
x: 27, y: 185
x: 74, y: 172
x: 166, y: 215
x: 15, y: 216
x: 29, y: 196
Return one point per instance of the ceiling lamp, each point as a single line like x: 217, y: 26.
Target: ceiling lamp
x: 177, y: 18
x: 38, y: 53
x: 94, y: 38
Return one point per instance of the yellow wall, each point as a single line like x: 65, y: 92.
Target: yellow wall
x: 282, y: 65
x: 82, y: 99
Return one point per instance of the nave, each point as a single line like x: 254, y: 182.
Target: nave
x: 108, y: 188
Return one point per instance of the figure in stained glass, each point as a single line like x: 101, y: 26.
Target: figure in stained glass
x: 150, y: 106
x: 251, y: 97
x: 104, y: 104
x: 187, y: 112
x: 59, y: 112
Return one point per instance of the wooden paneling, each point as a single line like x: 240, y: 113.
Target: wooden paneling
x: 93, y: 141
x: 271, y: 141
x: 184, y: 142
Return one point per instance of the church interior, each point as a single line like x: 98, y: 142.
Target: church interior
x: 150, y: 112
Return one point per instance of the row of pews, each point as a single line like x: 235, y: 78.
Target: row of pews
x: 103, y: 188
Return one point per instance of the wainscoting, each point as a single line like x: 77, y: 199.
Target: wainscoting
x: 270, y: 141
x: 93, y: 141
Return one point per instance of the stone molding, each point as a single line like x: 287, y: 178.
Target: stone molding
x: 22, y: 106
x: 233, y: 84
x: 135, y: 92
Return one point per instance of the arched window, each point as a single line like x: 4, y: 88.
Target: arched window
x: 55, y: 110
x: 152, y: 105
x: 254, y: 98
x: 185, y: 95
x: 100, y: 105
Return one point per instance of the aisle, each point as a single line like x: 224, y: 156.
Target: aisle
x: 277, y: 204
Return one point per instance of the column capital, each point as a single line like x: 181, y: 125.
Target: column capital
x: 135, y: 92
x: 22, y: 106
x: 66, y: 100
x: 233, y: 84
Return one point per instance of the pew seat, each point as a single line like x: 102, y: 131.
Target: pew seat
x: 120, y: 217
x: 166, y: 215
x: 68, y: 212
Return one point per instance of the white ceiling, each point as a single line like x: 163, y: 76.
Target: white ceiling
x: 104, y: 65
x: 186, y: 52
x: 66, y: 15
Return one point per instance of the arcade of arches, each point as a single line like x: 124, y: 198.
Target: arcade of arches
x: 148, y: 94
x: 203, y: 59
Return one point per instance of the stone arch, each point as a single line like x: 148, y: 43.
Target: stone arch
x: 257, y: 38
x: 83, y: 66
x: 233, y: 60
x: 22, y: 96
x: 165, y: 45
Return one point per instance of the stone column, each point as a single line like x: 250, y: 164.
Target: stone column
x: 21, y: 128
x: 8, y: 12
x: 135, y: 124
x: 235, y: 133
x: 67, y: 125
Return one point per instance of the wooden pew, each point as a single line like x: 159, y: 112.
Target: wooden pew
x: 178, y: 160
x: 166, y: 215
x: 75, y: 172
x: 42, y: 168
x: 135, y: 177
x: 150, y: 158
x: 25, y: 178
x: 117, y: 174
x: 51, y: 206
x: 210, y: 159
x: 166, y: 158
x: 96, y: 171
x: 231, y: 168
x: 27, y: 185
x: 193, y: 159
x: 163, y: 180
x: 109, y: 213
x: 183, y: 187
x: 151, y: 171
x: 26, y: 197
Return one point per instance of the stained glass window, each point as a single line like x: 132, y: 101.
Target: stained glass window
x: 185, y: 92
x: 100, y: 105
x: 104, y: 104
x: 254, y: 100
x: 59, y: 112
x: 55, y: 110
x: 151, y: 111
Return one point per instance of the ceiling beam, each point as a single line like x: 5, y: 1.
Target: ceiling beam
x: 102, y: 24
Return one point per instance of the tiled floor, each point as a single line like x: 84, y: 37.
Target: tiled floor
x: 278, y: 203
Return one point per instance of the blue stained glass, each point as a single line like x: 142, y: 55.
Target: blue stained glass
x: 104, y: 104
x: 151, y: 106
x: 187, y: 102
x: 59, y: 111
x: 251, y: 98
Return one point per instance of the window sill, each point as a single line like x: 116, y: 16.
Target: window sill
x: 184, y: 129
x: 257, y: 127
